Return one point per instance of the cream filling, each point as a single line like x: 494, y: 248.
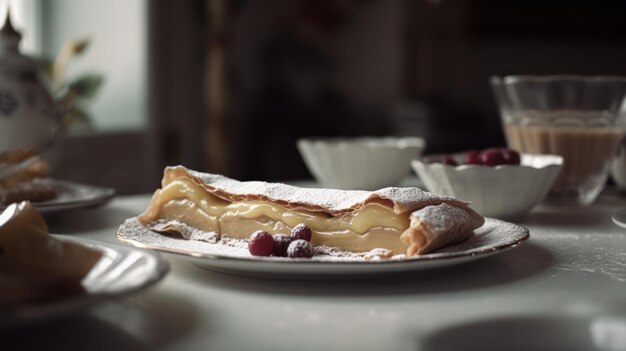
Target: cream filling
x: 369, y: 227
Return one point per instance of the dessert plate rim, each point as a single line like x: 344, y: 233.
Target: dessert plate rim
x: 122, y: 270
x: 71, y: 196
x: 494, y: 237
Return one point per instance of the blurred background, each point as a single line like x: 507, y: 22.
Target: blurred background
x: 228, y: 86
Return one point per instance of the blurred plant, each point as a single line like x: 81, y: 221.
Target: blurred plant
x: 74, y: 94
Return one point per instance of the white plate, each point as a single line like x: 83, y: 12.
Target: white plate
x: 121, y: 270
x: 493, y: 237
x: 619, y: 218
x: 72, y: 196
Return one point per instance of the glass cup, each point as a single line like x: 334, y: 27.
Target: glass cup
x: 578, y: 117
x: 618, y: 167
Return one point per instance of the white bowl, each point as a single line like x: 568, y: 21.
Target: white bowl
x: 506, y: 192
x: 366, y: 163
x: 618, y: 166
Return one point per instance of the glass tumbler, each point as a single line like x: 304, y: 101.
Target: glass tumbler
x: 581, y: 118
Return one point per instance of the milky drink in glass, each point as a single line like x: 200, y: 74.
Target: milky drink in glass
x: 587, y: 150
x: 578, y: 117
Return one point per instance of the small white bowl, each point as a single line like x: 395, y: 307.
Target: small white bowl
x: 366, y: 163
x: 506, y: 192
x: 618, y: 167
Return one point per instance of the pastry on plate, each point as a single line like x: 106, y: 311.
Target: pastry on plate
x: 29, y: 182
x: 403, y: 220
x: 35, y: 266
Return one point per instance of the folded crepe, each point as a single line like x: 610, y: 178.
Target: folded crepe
x: 404, y: 220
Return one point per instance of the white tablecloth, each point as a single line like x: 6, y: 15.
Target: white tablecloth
x: 565, y: 288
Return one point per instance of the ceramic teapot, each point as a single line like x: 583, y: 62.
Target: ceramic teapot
x: 29, y: 117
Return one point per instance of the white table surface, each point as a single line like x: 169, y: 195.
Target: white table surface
x: 562, y: 289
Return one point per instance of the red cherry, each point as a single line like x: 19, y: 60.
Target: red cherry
x: 301, y: 231
x: 472, y: 157
x: 261, y: 243
x: 300, y: 249
x: 511, y: 157
x: 281, y: 243
x: 448, y: 160
x: 491, y: 157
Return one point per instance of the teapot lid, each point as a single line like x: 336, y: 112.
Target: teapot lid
x: 9, y: 51
x: 9, y: 37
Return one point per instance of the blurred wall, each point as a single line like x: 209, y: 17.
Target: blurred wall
x: 404, y: 67
x: 308, y: 68
x: 298, y: 68
x: 118, y: 33
x: 114, y: 151
x: 149, y: 113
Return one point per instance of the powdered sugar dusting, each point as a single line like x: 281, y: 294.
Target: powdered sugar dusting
x: 327, y: 200
x: 439, y: 217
